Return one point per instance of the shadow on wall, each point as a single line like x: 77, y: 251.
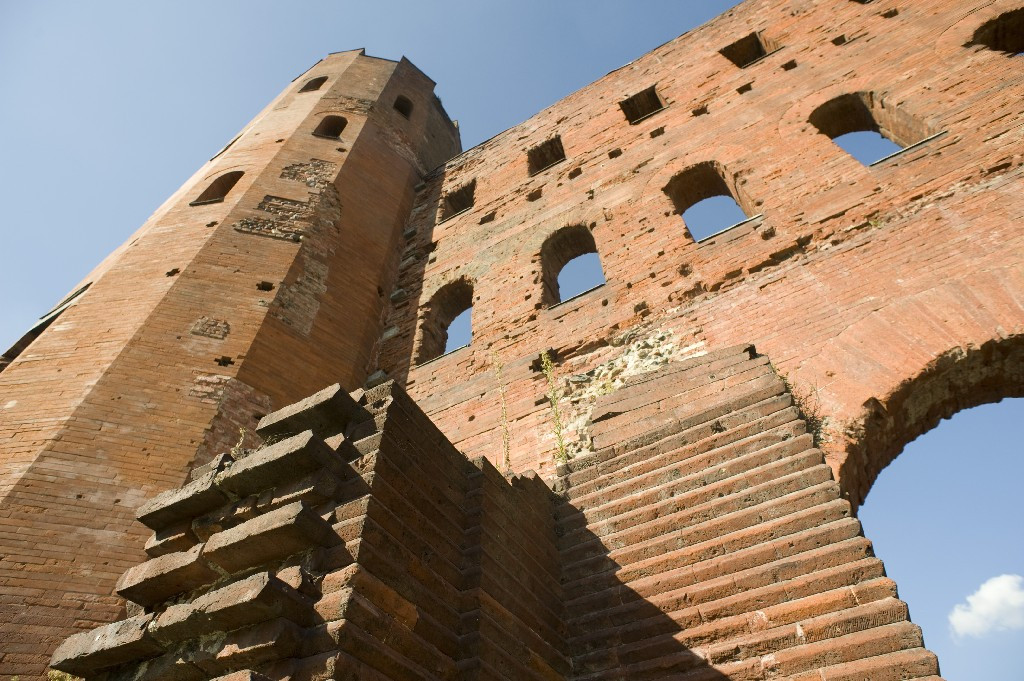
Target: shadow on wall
x: 400, y: 334
x: 612, y: 631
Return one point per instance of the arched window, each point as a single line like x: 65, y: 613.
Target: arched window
x: 313, y: 84
x: 1005, y: 33
x: 219, y: 188
x: 865, y: 127
x: 403, y: 105
x: 707, y: 202
x: 447, y: 320
x: 570, y: 264
x: 330, y: 127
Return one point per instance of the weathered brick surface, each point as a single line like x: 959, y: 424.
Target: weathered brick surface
x: 712, y: 546
x: 197, y: 328
x: 696, y: 502
x: 890, y: 296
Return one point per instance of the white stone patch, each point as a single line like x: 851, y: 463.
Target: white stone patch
x: 639, y: 355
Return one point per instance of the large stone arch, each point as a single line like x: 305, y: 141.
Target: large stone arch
x: 960, y: 378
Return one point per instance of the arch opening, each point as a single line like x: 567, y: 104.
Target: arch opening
x: 313, y: 84
x: 707, y: 202
x: 447, y: 321
x: 949, y: 387
x: 570, y: 265
x: 1005, y: 33
x: 219, y: 188
x: 945, y: 526
x: 330, y: 127
x: 867, y: 128
x: 958, y: 379
x: 403, y: 105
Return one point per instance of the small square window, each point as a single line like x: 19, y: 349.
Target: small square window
x: 458, y: 201
x: 749, y: 49
x: 641, y: 105
x: 545, y: 155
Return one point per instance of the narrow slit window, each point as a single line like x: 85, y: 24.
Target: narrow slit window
x: 219, y: 188
x: 313, y: 84
x: 458, y: 201
x: 749, y: 49
x: 867, y: 128
x: 642, y: 104
x: 705, y: 200
x: 1005, y: 33
x: 447, y: 321
x: 403, y: 105
x: 331, y: 127
x: 570, y: 264
x: 545, y: 155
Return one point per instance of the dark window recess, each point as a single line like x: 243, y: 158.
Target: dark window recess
x: 330, y: 127
x: 219, y: 188
x: 224, y: 361
x: 451, y: 301
x: 545, y: 155
x: 39, y: 327
x: 570, y: 264
x: 265, y: 286
x: 1005, y: 33
x: 749, y: 49
x: 706, y: 199
x: 642, y: 104
x: 458, y: 201
x: 861, y: 112
x: 403, y: 105
x: 313, y: 84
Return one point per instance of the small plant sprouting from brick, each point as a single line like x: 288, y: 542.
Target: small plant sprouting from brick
x: 809, y: 407
x: 506, y: 440
x: 236, y: 451
x: 548, y: 367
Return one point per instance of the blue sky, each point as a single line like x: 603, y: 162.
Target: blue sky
x: 110, y: 106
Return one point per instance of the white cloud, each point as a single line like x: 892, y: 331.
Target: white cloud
x: 997, y: 605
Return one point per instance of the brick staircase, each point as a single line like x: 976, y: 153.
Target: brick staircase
x: 707, y: 527
x: 704, y: 539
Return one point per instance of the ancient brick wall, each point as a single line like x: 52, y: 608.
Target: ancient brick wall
x: 215, y: 313
x: 706, y: 539
x: 888, y: 296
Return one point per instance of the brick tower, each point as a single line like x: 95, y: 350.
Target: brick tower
x: 655, y: 478
x: 214, y: 312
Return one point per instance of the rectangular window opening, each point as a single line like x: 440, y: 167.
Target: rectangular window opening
x: 545, y: 155
x: 458, y: 201
x: 641, y: 105
x: 749, y: 49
